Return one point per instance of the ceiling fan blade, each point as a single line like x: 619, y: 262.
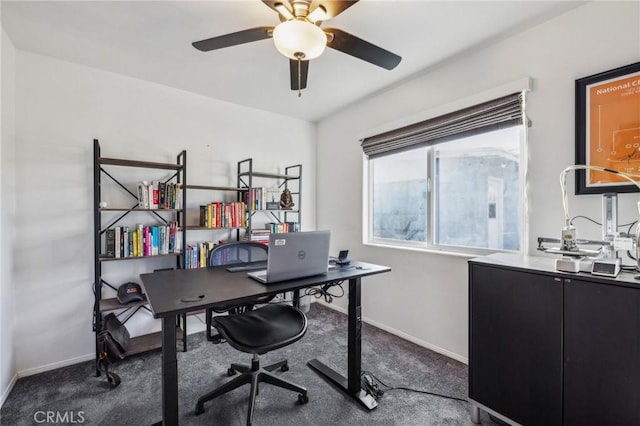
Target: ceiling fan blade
x: 333, y: 7
x: 232, y: 39
x: 293, y: 71
x: 354, y: 46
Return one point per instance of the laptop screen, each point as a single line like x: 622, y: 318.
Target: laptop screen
x: 297, y: 254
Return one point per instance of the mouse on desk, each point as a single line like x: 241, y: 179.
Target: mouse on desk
x: 196, y: 298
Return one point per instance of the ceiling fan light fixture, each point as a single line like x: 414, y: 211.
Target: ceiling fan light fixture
x: 298, y: 36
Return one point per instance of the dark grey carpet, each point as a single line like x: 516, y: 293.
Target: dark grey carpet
x: 74, y: 390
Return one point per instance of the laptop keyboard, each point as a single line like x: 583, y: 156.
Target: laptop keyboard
x: 260, y: 274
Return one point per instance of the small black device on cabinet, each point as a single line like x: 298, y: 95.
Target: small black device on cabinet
x: 342, y: 258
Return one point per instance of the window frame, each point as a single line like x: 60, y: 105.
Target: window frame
x: 430, y: 245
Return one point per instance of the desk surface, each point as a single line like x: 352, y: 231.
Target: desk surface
x: 166, y: 289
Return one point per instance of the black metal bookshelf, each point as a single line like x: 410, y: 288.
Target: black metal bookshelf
x: 104, y: 168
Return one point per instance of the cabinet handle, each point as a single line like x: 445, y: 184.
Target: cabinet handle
x: 557, y: 279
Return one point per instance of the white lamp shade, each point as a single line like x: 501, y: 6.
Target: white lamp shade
x: 298, y: 36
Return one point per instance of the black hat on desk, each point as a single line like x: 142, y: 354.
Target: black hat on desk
x: 129, y: 292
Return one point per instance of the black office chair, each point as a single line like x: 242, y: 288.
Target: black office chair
x: 235, y: 253
x: 255, y: 331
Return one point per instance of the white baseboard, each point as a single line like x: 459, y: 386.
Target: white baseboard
x: 8, y: 390
x: 55, y: 365
x: 403, y: 335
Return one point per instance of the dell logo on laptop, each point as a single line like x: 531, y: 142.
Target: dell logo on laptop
x: 301, y: 254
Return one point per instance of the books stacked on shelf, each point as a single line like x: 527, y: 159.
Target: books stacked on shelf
x: 143, y: 240
x: 223, y: 215
x: 282, y: 227
x: 197, y: 255
x: 260, y: 235
x: 264, y: 198
x: 159, y: 195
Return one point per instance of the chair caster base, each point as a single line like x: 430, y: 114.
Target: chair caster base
x: 303, y: 399
x: 284, y: 367
x: 231, y: 372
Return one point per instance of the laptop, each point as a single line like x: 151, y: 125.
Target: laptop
x: 295, y: 255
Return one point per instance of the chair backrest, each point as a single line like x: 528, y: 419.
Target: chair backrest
x: 235, y: 252
x: 238, y: 252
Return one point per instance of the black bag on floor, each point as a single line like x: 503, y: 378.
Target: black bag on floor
x: 113, y: 340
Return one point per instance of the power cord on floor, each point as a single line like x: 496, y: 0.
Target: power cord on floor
x: 371, y: 384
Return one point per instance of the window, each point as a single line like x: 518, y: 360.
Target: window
x: 464, y: 193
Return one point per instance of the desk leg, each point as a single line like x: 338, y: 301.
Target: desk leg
x: 296, y: 298
x: 351, y: 384
x: 169, y: 372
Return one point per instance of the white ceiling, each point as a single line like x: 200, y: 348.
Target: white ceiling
x: 152, y: 40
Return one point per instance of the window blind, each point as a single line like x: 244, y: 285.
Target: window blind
x: 496, y: 114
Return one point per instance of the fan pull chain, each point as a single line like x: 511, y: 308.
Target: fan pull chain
x: 299, y: 77
x: 299, y: 56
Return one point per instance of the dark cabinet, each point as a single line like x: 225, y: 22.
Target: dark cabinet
x: 548, y: 347
x: 601, y: 354
x: 515, y: 344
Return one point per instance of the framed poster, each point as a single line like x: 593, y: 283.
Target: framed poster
x: 608, y: 129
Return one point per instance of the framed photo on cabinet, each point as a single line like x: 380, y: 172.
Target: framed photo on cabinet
x: 608, y: 129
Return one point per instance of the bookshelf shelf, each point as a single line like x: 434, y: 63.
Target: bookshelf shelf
x: 204, y: 228
x: 137, y: 209
x: 139, y: 164
x: 112, y: 304
x: 149, y: 342
x: 104, y: 258
x: 276, y: 210
x: 268, y: 175
x: 216, y: 188
x: 110, y: 232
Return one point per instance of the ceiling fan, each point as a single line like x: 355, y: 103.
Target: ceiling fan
x: 300, y: 38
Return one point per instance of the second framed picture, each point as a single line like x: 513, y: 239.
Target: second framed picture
x: 608, y: 129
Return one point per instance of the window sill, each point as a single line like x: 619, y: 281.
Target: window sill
x: 430, y: 250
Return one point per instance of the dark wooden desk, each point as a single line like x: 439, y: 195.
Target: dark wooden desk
x: 172, y: 293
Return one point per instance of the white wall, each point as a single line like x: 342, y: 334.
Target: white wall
x: 425, y: 297
x: 7, y: 212
x: 60, y: 108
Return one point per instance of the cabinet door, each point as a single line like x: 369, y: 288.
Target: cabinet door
x: 515, y: 344
x: 601, y: 354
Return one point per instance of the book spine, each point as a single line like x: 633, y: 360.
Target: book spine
x: 125, y: 241
x: 110, y: 243
x: 140, y: 240
x: 161, y: 194
x: 161, y: 240
x: 154, y: 240
x: 145, y: 194
x: 203, y: 216
x: 118, y: 241
x: 178, y: 240
x: 141, y: 190
x: 172, y: 237
x: 178, y: 202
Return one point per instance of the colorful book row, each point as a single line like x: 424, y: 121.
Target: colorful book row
x: 159, y: 195
x: 282, y: 227
x: 143, y: 240
x: 264, y: 198
x: 197, y: 255
x: 223, y: 215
